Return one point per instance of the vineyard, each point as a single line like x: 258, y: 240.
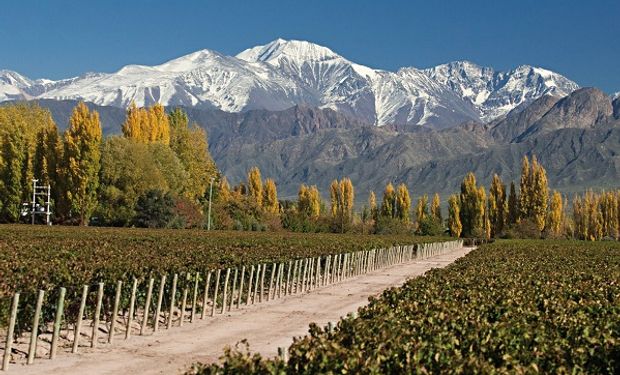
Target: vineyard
x: 508, y: 307
x: 54, y: 280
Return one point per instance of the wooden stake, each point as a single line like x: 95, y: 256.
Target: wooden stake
x: 273, y: 273
x: 78, y: 323
x: 205, y: 298
x: 117, y: 301
x: 32, y: 350
x: 147, y: 304
x: 217, y: 286
x: 183, y: 306
x: 240, y: 287
x: 93, y: 341
x: 132, y: 306
x: 173, y: 296
x: 160, y: 299
x: 8, y: 347
x: 225, y: 295
x: 60, y: 306
x: 250, y: 286
x: 262, y: 283
x: 287, y: 286
x: 232, y: 292
x: 194, y: 297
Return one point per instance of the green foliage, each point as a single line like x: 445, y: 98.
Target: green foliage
x: 154, y: 209
x: 430, y: 226
x: 509, y: 307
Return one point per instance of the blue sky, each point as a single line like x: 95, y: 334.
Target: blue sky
x: 59, y: 39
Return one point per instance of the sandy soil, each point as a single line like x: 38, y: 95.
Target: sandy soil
x: 266, y: 326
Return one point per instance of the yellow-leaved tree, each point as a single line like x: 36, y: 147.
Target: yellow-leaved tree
x: 270, y: 199
x: 255, y: 186
x: 403, y: 203
x: 454, y: 216
x: 82, y: 155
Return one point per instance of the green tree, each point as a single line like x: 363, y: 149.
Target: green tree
x: 388, y: 202
x: 473, y: 202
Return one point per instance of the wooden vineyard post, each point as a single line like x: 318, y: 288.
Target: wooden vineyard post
x: 317, y: 280
x: 287, y: 286
x: 8, y: 347
x: 93, y: 341
x: 132, y: 303
x: 173, y: 295
x: 234, y: 287
x: 256, y: 281
x: 147, y: 304
x: 78, y: 323
x: 273, y: 273
x: 194, y: 298
x: 282, y: 265
x: 262, y: 283
x: 293, y: 286
x: 183, y: 305
x: 247, y: 302
x: 217, y: 286
x: 240, y: 286
x: 160, y: 299
x: 117, y: 300
x: 225, y: 293
x: 32, y: 349
x: 60, y: 306
x: 205, y: 298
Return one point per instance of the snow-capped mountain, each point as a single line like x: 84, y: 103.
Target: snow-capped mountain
x: 284, y: 73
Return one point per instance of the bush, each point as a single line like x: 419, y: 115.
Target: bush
x: 388, y: 225
x: 430, y: 226
x: 155, y: 209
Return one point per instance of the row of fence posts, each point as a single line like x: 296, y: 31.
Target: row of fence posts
x: 284, y: 278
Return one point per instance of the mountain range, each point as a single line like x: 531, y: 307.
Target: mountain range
x: 283, y: 74
x: 304, y: 114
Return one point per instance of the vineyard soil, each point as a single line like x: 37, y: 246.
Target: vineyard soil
x: 266, y: 327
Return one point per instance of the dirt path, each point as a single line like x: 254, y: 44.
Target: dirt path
x: 266, y: 326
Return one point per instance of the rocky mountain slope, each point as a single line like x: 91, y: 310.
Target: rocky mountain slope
x: 283, y: 74
x: 577, y: 138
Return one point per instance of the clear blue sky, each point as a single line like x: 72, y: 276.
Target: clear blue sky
x: 59, y: 39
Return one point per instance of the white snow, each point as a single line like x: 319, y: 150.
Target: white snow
x: 285, y: 73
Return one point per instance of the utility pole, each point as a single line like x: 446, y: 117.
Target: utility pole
x: 210, y: 200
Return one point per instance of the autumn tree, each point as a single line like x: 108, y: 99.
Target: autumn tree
x: 534, y: 194
x: 421, y: 210
x: 82, y: 154
x: 436, y: 209
x: 270, y: 199
x: 497, y: 206
x: 372, y: 205
x: 403, y: 203
x: 309, y: 201
x: 342, y: 195
x: 147, y: 125
x: 554, y: 221
x: 454, y: 215
x: 191, y: 146
x: 255, y: 186
x: 473, y: 202
x: 388, y: 202
x: 513, y: 206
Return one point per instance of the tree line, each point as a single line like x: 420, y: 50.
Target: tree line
x: 159, y: 173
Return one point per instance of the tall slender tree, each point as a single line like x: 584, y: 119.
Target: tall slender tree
x: 454, y: 216
x: 255, y: 186
x: 270, y: 200
x: 497, y: 206
x: 436, y: 209
x: 82, y: 154
x: 403, y: 203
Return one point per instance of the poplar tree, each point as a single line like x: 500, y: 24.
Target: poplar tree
x: 82, y: 154
x: 255, y: 186
x: 342, y: 196
x: 497, y: 206
x: 454, y: 216
x: 388, y: 202
x: 436, y: 209
x: 403, y: 203
x: 524, y: 189
x: 473, y: 202
x: 513, y: 206
x: 421, y: 210
x: 539, y: 194
x: 372, y: 204
x: 309, y: 201
x: 554, y: 221
x: 270, y: 200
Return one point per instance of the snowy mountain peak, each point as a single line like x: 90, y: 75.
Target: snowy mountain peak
x: 285, y: 73
x: 293, y: 49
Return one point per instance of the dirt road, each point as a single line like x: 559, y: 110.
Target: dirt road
x: 266, y: 326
